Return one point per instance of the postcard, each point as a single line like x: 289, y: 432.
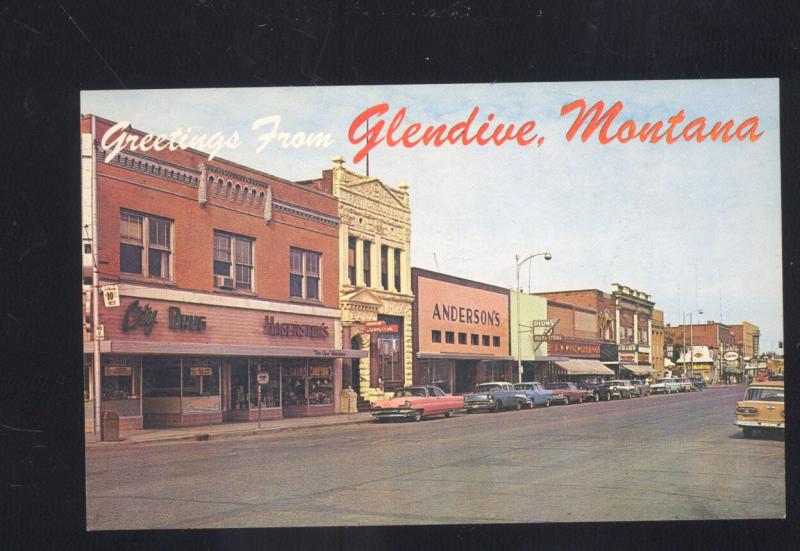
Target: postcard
x: 432, y: 304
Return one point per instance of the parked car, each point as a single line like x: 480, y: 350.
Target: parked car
x: 535, y: 392
x: 698, y: 382
x: 613, y: 389
x: 761, y: 408
x: 416, y: 402
x: 686, y: 385
x: 642, y: 388
x: 592, y: 387
x: 495, y: 396
x: 665, y: 386
x: 623, y: 387
x: 566, y: 392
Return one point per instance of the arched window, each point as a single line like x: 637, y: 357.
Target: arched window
x: 236, y: 193
x: 212, y: 186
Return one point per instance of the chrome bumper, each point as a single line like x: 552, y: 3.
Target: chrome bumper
x: 763, y: 424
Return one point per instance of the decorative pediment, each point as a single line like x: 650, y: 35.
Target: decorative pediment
x: 363, y: 297
x: 377, y: 191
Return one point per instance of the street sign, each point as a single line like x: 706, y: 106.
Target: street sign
x: 262, y: 377
x: 99, y: 332
x: 731, y: 356
x: 110, y: 295
x: 547, y: 338
x: 386, y: 328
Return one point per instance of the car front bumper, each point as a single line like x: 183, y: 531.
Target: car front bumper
x: 476, y: 406
x: 760, y: 424
x: 392, y: 413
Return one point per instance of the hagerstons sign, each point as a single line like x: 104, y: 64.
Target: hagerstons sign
x: 294, y: 329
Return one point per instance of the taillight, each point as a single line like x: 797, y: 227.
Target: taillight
x: 742, y: 410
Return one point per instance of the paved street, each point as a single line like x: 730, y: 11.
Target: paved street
x: 675, y: 457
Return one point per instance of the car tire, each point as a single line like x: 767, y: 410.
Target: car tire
x: 518, y: 405
x: 417, y: 415
x: 580, y: 399
x: 566, y: 400
x: 449, y: 413
x: 747, y: 432
x: 547, y: 403
x: 498, y: 405
x: 530, y: 404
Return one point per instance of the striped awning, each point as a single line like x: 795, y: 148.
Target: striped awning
x: 583, y: 367
x: 645, y: 369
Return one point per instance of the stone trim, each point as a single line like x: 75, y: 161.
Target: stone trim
x: 152, y: 166
x: 301, y: 212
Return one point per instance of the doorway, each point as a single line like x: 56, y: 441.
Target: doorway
x: 355, y: 371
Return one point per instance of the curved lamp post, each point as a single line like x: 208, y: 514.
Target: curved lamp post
x: 547, y: 256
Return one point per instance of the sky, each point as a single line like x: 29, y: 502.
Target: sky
x: 695, y: 225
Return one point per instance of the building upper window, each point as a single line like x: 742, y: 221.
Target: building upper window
x: 304, y: 274
x: 351, y: 259
x: 145, y: 246
x: 367, y: 263
x: 233, y: 261
x: 449, y: 338
x: 474, y: 339
x: 462, y: 338
x: 384, y: 267
x: 397, y: 270
x: 436, y: 336
x: 495, y: 341
x: 485, y: 340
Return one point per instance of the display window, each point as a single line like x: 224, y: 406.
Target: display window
x: 295, y: 382
x: 320, y: 384
x: 307, y: 383
x: 200, y: 377
x: 270, y: 392
x: 161, y: 376
x: 120, y: 379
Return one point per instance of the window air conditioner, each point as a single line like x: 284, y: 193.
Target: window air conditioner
x: 223, y: 282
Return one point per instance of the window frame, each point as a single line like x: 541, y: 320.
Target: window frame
x: 145, y: 245
x: 304, y: 274
x: 233, y: 260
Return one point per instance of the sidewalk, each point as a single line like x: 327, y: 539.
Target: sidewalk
x: 231, y: 430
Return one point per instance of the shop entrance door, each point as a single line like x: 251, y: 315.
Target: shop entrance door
x: 465, y: 376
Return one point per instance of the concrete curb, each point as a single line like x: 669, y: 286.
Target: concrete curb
x: 207, y: 436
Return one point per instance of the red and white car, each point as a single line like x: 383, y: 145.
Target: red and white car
x: 416, y: 402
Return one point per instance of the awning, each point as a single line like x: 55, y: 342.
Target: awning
x: 476, y: 357
x: 646, y: 369
x: 205, y: 349
x: 734, y: 370
x: 584, y: 367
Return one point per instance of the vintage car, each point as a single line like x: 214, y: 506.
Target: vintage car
x: 495, y: 396
x: 761, y: 408
x: 567, y: 392
x: 416, y: 402
x: 698, y: 382
x: 592, y: 386
x: 536, y: 393
x: 641, y: 386
x: 686, y: 385
x: 665, y: 386
x: 617, y: 388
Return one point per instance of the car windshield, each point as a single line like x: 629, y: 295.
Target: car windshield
x: 412, y: 391
x: 487, y: 387
x: 764, y: 394
x: 523, y: 386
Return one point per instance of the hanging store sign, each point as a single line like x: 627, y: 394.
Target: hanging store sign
x: 547, y: 338
x: 110, y: 295
x: 544, y: 323
x: 200, y: 371
x: 628, y: 348
x: 294, y: 329
x: 731, y: 356
x: 117, y: 371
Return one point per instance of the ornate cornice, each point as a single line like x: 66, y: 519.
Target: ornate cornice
x: 295, y: 210
x: 145, y: 164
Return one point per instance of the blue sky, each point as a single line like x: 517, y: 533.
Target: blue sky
x: 697, y: 226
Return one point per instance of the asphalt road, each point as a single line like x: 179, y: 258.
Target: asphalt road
x: 675, y: 457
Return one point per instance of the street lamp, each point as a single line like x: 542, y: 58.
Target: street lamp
x: 691, y: 340
x: 547, y: 256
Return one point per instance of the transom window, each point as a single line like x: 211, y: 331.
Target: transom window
x: 145, y: 245
x: 304, y: 274
x: 233, y: 261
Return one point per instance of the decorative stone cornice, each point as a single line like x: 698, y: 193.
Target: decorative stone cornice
x: 145, y: 164
x: 295, y: 210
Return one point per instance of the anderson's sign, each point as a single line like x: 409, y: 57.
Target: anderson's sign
x: 461, y: 314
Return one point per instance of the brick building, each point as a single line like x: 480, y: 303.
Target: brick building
x: 223, y: 271
x: 634, y: 312
x: 657, y: 345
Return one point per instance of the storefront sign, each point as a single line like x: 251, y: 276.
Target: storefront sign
x: 574, y: 349
x: 110, y: 295
x: 386, y: 328
x: 117, y: 371
x: 136, y: 316
x: 628, y: 348
x: 544, y: 323
x: 329, y: 353
x: 200, y: 371
x: 177, y: 320
x: 547, y: 338
x: 627, y: 357
x: 731, y: 356
x: 320, y: 372
x: 460, y: 314
x: 294, y: 329
x: 375, y: 323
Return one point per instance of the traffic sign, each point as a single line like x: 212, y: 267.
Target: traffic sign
x: 110, y: 295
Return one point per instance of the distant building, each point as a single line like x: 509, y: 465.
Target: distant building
x: 634, y: 313
x: 746, y: 336
x: 658, y: 342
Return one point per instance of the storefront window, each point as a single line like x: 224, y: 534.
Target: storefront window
x: 438, y: 373
x: 320, y: 384
x: 161, y: 376
x: 270, y: 392
x: 294, y: 382
x: 118, y: 382
x: 391, y: 361
x: 200, y: 378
